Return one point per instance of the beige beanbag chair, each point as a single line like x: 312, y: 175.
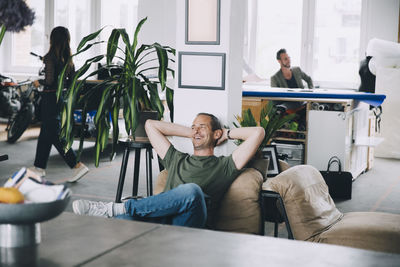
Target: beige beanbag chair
x: 240, y: 207
x: 313, y: 215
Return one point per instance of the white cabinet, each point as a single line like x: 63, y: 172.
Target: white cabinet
x: 334, y: 127
x: 337, y: 133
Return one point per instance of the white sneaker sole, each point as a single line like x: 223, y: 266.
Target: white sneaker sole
x: 75, y: 208
x: 79, y: 175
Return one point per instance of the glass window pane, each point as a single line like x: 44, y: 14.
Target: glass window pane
x: 31, y: 40
x: 337, y: 41
x: 279, y: 26
x: 118, y: 14
x: 76, y: 16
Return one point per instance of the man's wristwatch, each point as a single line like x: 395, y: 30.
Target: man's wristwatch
x: 227, y: 134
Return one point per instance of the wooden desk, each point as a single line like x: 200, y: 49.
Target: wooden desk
x: 335, y: 123
x: 71, y: 240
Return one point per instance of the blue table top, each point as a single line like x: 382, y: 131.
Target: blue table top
x: 372, y: 99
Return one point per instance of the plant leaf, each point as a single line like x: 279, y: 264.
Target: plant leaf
x: 86, y: 48
x: 155, y: 100
x: 88, y: 38
x: 169, y: 95
x: 137, y: 30
x: 163, y: 64
x: 114, y: 117
x: 112, y: 45
x: 129, y: 51
x: 103, y: 102
x: 2, y: 32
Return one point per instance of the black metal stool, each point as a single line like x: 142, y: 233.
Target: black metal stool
x: 138, y: 146
x: 273, y: 210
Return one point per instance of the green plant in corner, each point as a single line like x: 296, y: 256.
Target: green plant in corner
x: 272, y: 118
x: 130, y: 89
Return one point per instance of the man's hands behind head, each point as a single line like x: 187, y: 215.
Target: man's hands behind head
x: 223, y: 138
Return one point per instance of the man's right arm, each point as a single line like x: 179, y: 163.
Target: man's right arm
x: 157, y: 131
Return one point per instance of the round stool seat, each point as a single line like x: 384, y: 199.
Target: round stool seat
x: 138, y: 143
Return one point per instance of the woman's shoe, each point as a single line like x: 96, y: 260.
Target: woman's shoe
x: 79, y: 173
x: 39, y: 171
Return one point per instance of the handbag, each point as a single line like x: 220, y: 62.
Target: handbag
x: 339, y: 182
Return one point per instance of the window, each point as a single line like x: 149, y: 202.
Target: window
x: 337, y: 38
x: 81, y: 17
x: 279, y: 25
x: 31, y: 40
x: 76, y: 16
x: 118, y: 14
x: 322, y: 37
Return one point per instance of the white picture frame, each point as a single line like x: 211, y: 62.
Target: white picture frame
x: 202, y: 19
x: 201, y: 70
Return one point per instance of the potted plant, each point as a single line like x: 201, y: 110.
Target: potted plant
x: 272, y: 118
x: 130, y: 88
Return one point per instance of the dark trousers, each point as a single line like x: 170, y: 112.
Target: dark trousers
x: 50, y: 132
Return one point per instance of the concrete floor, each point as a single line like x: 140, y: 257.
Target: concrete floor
x: 376, y: 190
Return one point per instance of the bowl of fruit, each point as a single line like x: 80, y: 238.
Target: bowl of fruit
x: 26, y: 200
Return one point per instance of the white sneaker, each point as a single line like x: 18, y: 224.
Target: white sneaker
x: 93, y: 208
x: 34, y: 191
x: 79, y: 173
x: 39, y: 171
x: 34, y: 188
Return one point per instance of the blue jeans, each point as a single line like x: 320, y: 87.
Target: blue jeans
x: 183, y: 206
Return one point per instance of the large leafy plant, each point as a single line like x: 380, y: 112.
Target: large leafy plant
x: 130, y: 88
x: 272, y: 118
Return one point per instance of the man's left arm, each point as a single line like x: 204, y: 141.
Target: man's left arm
x: 307, y: 79
x: 252, y: 136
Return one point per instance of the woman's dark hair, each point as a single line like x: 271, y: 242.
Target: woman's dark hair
x: 215, y: 123
x: 59, y: 44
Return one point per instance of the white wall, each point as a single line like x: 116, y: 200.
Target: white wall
x: 380, y: 19
x: 224, y: 104
x: 161, y: 21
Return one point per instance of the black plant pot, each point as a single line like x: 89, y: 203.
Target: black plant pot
x: 143, y: 117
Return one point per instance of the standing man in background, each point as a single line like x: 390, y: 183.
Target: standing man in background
x: 288, y: 77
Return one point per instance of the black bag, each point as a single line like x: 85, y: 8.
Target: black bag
x: 339, y: 182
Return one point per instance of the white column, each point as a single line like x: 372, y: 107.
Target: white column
x: 225, y: 104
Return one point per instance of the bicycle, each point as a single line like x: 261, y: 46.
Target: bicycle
x: 28, y: 113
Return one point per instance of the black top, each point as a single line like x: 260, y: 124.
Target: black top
x: 292, y: 82
x: 53, y: 68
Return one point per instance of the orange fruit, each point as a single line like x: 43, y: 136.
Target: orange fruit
x: 11, y: 195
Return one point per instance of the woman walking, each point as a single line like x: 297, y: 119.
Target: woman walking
x: 54, y: 61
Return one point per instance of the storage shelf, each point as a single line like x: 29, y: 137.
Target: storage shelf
x: 289, y: 139
x: 291, y: 131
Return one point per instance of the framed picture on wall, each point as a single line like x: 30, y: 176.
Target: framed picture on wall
x: 202, y: 20
x: 201, y: 70
x: 270, y: 152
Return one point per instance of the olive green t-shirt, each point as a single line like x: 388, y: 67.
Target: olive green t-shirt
x: 213, y: 174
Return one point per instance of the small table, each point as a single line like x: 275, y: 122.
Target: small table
x: 137, y: 145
